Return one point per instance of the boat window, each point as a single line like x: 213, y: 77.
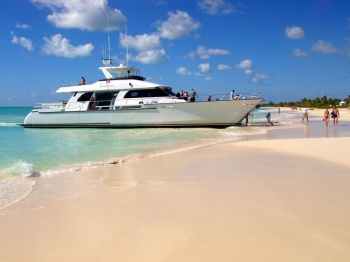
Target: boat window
x: 85, y: 97
x: 169, y: 92
x: 145, y: 93
x: 104, y: 99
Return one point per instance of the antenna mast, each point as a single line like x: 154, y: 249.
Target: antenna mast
x: 108, y: 61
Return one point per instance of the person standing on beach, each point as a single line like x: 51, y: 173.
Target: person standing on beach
x: 247, y: 118
x: 335, y: 115
x: 268, y: 117
x: 326, y: 116
x: 279, y: 110
x: 305, y: 114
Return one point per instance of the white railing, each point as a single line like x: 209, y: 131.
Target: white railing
x: 220, y: 97
x: 119, y: 104
x: 74, y: 84
x: 57, y: 105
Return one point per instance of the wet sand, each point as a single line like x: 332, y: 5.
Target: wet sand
x: 283, y: 197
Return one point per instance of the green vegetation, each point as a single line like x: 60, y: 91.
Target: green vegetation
x: 322, y: 102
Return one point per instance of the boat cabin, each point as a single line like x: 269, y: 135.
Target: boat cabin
x: 119, y: 99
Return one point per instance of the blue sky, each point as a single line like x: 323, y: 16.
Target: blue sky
x: 287, y: 50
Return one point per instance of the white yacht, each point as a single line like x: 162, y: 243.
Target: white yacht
x: 123, y: 99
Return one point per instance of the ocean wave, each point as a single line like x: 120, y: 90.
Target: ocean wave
x: 89, y: 165
x: 235, y: 134
x: 20, y: 169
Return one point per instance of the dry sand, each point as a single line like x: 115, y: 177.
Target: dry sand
x: 266, y: 200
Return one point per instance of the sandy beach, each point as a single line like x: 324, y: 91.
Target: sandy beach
x: 281, y: 197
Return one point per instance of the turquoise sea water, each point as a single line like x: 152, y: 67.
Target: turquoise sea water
x: 27, y: 153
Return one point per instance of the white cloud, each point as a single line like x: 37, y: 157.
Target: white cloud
x: 208, y: 78
x: 223, y: 67
x: 245, y: 64
x: 160, y: 2
x: 183, y: 71
x: 215, y: 7
x: 204, y: 67
x: 151, y: 57
x: 259, y: 77
x: 206, y: 53
x: 140, y: 42
x: 297, y: 52
x: 191, y: 56
x: 60, y: 46
x: 83, y: 14
x: 178, y: 25
x: 294, y: 32
x: 22, y: 26
x: 22, y: 41
x: 198, y: 74
x: 324, y: 48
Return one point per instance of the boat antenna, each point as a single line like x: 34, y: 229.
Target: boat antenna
x: 127, y: 46
x: 108, y: 61
x: 63, y: 82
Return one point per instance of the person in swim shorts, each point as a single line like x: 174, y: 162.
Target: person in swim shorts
x: 335, y: 115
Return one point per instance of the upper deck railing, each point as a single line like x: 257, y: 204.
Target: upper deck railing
x: 138, y: 102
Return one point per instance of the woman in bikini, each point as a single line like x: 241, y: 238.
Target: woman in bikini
x: 326, y: 116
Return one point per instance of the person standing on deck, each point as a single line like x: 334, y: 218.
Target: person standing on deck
x: 185, y: 95
x: 232, y: 95
x: 82, y: 81
x: 92, y: 103
x: 193, y: 95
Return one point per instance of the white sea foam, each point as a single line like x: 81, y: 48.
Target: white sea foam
x: 13, y: 190
x: 19, y: 169
x: 242, y: 133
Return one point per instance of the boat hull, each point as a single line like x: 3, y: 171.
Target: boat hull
x: 218, y: 114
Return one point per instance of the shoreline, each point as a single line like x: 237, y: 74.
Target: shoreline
x: 282, y: 196
x: 288, y: 130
